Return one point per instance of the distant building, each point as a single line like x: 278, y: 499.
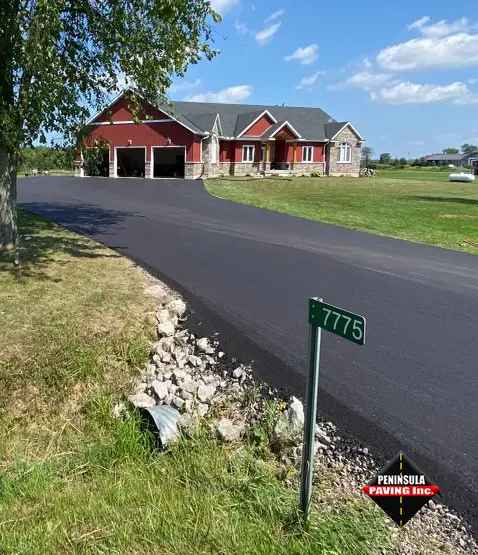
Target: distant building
x: 470, y: 159
x: 443, y: 159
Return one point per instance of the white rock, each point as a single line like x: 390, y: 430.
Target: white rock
x: 160, y: 388
x: 202, y: 409
x: 165, y: 357
x: 178, y: 402
x: 220, y: 354
x: 142, y: 400
x: 227, y: 430
x: 172, y: 388
x: 150, y: 368
x: 177, y: 307
x: 194, y: 360
x: 166, y: 328
x: 186, y: 420
x: 140, y: 387
x: 206, y: 392
x: 186, y: 395
x: 295, y: 413
x: 163, y: 315
x: 322, y: 436
x: 189, y: 385
x: 167, y: 375
x: 284, y: 433
x: 180, y: 375
x: 238, y: 372
x: 167, y: 344
x: 157, y: 291
x: 181, y: 362
x: 119, y: 410
x: 204, y: 346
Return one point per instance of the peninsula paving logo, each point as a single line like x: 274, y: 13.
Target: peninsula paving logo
x: 401, y: 490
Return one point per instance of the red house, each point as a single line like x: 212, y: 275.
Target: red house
x: 197, y: 139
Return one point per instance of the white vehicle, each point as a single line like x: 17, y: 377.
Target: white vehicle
x: 464, y: 177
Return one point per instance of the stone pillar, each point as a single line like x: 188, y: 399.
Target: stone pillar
x: 112, y: 169
x: 148, y: 169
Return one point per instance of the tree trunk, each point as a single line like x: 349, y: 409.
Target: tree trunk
x: 8, y: 197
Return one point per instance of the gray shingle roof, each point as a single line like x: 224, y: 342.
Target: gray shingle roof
x: 443, y: 157
x: 243, y: 120
x: 331, y: 129
x: 312, y: 123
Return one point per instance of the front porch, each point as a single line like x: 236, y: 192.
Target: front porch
x: 283, y: 156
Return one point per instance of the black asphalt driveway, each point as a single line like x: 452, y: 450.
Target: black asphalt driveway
x: 248, y: 273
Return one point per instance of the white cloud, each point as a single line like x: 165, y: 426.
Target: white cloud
x: 275, y: 15
x: 306, y: 55
x: 237, y: 93
x: 264, y: 36
x: 367, y: 63
x: 367, y: 80
x: 419, y: 23
x: 241, y: 28
x: 454, y: 51
x: 222, y: 6
x: 415, y: 93
x: 181, y: 86
x: 310, y: 80
x: 441, y: 28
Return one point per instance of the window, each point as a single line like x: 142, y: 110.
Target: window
x: 307, y: 154
x: 345, y: 153
x: 263, y: 153
x: 248, y: 153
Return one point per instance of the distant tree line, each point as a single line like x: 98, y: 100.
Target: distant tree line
x: 465, y: 149
x: 385, y: 159
x: 46, y: 158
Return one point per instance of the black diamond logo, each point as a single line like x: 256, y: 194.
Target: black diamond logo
x: 401, y: 489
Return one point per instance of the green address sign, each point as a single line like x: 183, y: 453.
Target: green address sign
x: 337, y: 320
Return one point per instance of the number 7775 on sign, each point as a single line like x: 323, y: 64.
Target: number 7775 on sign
x: 337, y: 320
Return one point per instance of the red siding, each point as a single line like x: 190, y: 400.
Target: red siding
x: 240, y: 144
x: 259, y: 128
x: 226, y: 151
x: 286, y: 134
x: 144, y: 134
x: 318, y: 151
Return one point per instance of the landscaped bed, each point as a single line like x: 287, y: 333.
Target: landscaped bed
x: 427, y: 209
x: 74, y: 478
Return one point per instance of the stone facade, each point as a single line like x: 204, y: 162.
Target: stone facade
x: 308, y: 167
x: 350, y: 169
x: 246, y: 168
x: 193, y: 170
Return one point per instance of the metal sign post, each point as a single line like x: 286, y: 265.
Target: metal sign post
x: 339, y: 322
x: 315, y: 337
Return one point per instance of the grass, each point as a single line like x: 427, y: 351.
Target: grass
x: 75, y: 480
x: 421, y: 174
x: 417, y: 205
x: 61, y: 172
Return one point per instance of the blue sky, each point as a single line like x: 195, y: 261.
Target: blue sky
x: 404, y: 73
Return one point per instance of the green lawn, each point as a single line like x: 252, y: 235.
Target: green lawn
x: 413, y: 204
x: 75, y: 480
x: 421, y: 174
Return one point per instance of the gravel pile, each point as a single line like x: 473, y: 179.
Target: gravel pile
x: 192, y: 375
